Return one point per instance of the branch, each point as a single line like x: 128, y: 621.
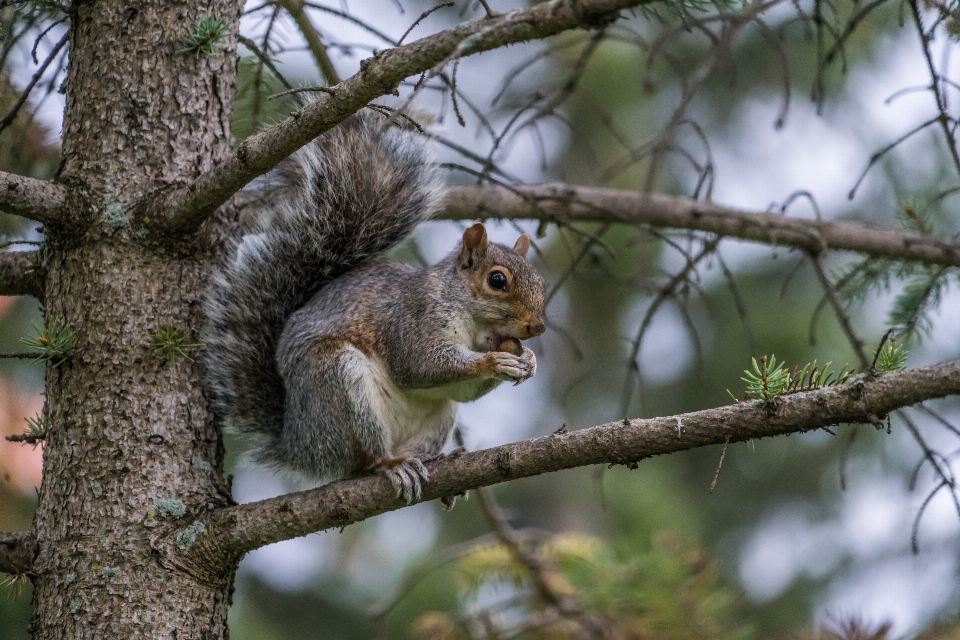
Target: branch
x: 17, y: 550
x: 297, y: 11
x: 31, y: 198
x: 564, y: 203
x: 22, y: 274
x: 183, y: 210
x: 233, y: 531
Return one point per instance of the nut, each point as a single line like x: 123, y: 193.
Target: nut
x: 510, y: 345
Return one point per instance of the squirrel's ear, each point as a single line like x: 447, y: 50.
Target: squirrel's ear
x: 522, y: 245
x: 474, y: 246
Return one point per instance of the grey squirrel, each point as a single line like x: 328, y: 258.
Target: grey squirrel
x: 340, y: 362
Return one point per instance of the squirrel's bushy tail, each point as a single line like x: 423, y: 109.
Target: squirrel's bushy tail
x: 362, y: 191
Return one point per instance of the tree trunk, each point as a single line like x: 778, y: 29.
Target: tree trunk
x: 128, y: 424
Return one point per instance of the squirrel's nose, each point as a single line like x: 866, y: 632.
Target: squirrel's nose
x: 536, y: 328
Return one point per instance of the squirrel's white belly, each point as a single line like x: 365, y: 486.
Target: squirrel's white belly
x: 408, y: 416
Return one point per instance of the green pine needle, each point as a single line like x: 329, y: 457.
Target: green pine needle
x: 171, y: 342
x: 892, y: 356
x: 770, y: 379
x: 36, y: 427
x: 204, y: 36
x: 52, y: 342
x: 919, y: 298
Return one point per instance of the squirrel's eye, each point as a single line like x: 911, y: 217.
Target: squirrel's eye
x: 497, y: 281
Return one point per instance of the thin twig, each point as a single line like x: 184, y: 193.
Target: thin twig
x: 886, y: 336
x: 36, y: 43
x: 882, y: 152
x: 265, y: 59
x: 844, y: 318
x: 663, y: 294
x: 915, y: 529
x: 380, y: 610
x: 845, y: 454
x: 356, y: 21
x: 490, y: 12
x: 943, y: 117
x: 542, y: 573
x: 423, y: 15
x: 716, y: 475
x: 7, y: 119
x: 292, y: 90
x: 28, y: 438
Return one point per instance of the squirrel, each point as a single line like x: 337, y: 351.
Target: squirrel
x: 338, y: 361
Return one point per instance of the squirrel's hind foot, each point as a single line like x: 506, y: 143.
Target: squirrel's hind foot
x: 406, y: 475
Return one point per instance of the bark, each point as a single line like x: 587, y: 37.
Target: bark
x: 22, y: 273
x: 127, y: 426
x: 564, y: 204
x: 238, y: 529
x: 182, y: 210
x: 32, y: 198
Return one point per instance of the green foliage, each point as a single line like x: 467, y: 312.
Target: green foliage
x: 890, y: 356
x: 671, y: 592
x: 912, y: 308
x: 36, y: 430
x: 36, y: 426
x: 858, y: 280
x: 493, y: 563
x: 770, y: 379
x: 52, y: 342
x: 917, y: 217
x: 204, y: 36
x: 253, y: 107
x: 171, y: 342
x: 16, y: 582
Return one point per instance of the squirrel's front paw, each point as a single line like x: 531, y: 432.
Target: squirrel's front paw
x: 406, y: 476
x: 514, y: 368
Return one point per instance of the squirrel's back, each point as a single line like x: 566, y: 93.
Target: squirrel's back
x: 362, y: 190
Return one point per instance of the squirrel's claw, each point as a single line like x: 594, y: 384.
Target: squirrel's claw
x: 407, y: 479
x: 513, y: 368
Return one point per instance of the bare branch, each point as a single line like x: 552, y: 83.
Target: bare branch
x: 182, y: 210
x: 31, y: 198
x: 22, y: 274
x: 296, y: 10
x: 233, y: 531
x: 17, y: 550
x: 564, y: 203
x: 842, y: 316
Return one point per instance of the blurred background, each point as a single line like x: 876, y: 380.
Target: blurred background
x: 762, y: 106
